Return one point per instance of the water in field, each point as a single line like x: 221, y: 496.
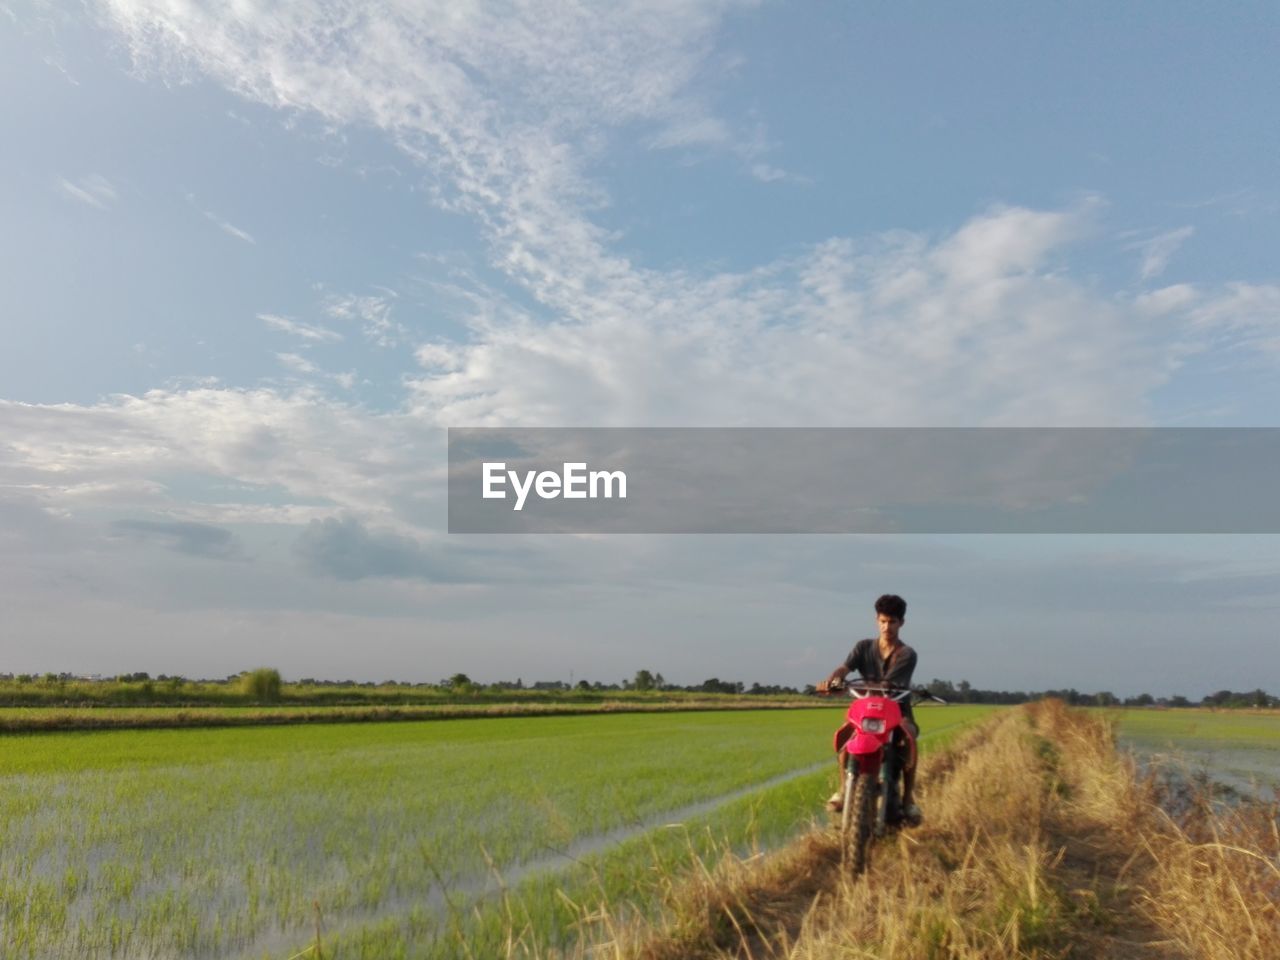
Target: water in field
x: 1237, y: 749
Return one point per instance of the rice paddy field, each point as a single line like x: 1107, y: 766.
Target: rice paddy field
x: 97, y: 717
x: 382, y: 840
x: 1238, y: 748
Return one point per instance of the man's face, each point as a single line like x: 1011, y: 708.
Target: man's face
x: 889, y: 627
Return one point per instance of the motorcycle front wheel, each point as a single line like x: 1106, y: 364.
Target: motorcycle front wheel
x: 858, y: 819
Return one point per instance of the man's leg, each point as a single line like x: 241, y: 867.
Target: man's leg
x: 835, y: 802
x: 910, y: 811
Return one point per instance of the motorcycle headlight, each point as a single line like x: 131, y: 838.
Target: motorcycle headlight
x: 873, y: 725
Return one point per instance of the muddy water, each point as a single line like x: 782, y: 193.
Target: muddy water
x: 1247, y: 770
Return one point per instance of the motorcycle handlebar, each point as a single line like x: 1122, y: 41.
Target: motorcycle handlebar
x: 889, y: 688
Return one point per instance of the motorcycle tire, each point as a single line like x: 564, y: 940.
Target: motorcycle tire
x: 865, y: 796
x: 846, y: 809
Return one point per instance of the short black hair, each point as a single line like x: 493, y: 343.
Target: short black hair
x: 892, y: 605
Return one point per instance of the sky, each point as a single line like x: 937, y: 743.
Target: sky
x: 258, y: 257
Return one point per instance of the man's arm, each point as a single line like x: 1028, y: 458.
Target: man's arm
x: 852, y: 664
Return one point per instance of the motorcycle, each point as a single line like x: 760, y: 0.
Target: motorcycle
x: 875, y: 747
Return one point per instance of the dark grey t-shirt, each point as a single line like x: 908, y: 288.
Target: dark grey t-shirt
x: 865, y: 659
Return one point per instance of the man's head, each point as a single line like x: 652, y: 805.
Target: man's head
x: 891, y: 612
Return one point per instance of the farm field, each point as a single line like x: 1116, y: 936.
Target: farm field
x: 1240, y: 748
x: 42, y: 718
x: 238, y: 843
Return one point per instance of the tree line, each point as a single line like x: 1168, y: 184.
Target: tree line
x: 964, y: 693
x: 266, y: 684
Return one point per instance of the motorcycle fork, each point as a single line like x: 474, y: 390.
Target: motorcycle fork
x: 863, y: 766
x: 890, y: 800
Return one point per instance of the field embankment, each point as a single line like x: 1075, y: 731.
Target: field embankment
x: 1041, y: 841
x: 48, y: 719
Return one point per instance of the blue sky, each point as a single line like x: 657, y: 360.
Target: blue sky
x: 257, y: 258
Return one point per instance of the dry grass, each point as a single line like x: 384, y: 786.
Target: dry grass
x: 1041, y: 843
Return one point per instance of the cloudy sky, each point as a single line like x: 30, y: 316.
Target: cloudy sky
x: 257, y: 257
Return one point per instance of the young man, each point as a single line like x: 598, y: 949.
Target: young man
x: 889, y: 659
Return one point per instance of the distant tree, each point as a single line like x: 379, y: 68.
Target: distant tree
x: 716, y: 685
x: 459, y: 681
x: 584, y: 685
x: 643, y: 680
x: 262, y: 684
x: 944, y: 689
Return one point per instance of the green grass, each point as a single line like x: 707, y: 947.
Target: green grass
x: 635, y: 876
x: 1254, y: 729
x: 216, y: 842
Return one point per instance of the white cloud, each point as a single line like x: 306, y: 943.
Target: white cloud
x: 318, y: 451
x: 697, y: 130
x: 230, y: 229
x: 1167, y: 300
x: 297, y: 364
x: 1246, y: 315
x: 766, y: 173
x: 982, y: 325
x: 305, y: 330
x: 94, y: 189
x: 1156, y: 251
x: 373, y: 313
x: 303, y: 367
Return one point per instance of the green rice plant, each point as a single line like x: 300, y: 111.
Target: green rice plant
x: 221, y: 842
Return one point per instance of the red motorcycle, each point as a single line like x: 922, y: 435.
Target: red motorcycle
x: 875, y: 747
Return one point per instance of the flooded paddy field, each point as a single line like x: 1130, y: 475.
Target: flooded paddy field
x: 1239, y: 749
